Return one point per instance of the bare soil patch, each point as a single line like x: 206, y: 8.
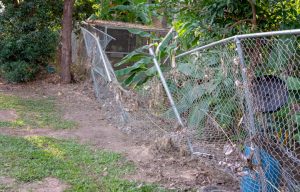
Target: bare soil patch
x: 48, y: 184
x: 7, y: 181
x: 8, y: 115
x: 168, y: 165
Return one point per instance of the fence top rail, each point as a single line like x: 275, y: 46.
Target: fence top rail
x: 244, y: 36
x: 87, y: 31
x: 85, y: 23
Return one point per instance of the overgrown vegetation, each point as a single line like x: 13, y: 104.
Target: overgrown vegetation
x: 142, y: 68
x: 28, y: 38
x: 29, y: 28
x: 134, y: 11
x: 34, y: 158
x: 200, y: 22
x: 204, y: 85
x: 29, y: 35
x: 34, y: 113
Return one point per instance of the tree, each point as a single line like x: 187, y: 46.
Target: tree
x: 29, y: 34
x: 200, y: 22
x: 66, y: 41
x: 28, y: 37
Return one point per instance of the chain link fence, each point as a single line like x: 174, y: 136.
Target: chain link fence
x: 247, y: 93
x: 236, y: 101
x: 272, y: 65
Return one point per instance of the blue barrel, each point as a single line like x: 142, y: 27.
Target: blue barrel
x: 271, y: 167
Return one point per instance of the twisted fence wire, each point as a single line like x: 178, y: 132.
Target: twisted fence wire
x: 214, y: 87
x: 102, y: 72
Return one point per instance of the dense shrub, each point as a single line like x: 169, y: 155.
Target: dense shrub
x: 18, y: 71
x: 28, y: 37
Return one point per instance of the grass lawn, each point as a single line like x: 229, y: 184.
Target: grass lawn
x: 33, y: 158
x: 34, y: 113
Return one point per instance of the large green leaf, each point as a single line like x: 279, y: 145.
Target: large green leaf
x: 142, y: 33
x: 134, y: 56
x: 284, y: 112
x: 139, y: 79
x: 190, y: 93
x: 279, y: 55
x: 190, y: 70
x: 126, y: 71
x: 129, y: 80
x: 225, y: 111
x: 198, y: 112
x: 132, y: 78
x: 141, y: 63
x: 297, y: 119
x: 164, y: 44
x: 151, y: 71
x: 293, y: 83
x: 210, y: 59
x: 189, y: 96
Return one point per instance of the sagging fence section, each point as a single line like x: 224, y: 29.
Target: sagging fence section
x: 237, y: 101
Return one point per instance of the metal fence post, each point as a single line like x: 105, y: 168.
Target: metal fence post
x: 250, y: 111
x: 246, y: 87
x: 103, y: 60
x: 162, y: 78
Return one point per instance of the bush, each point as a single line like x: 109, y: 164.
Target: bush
x: 18, y: 71
x: 28, y: 38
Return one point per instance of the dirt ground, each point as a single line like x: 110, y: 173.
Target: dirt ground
x: 170, y: 169
x: 48, y: 184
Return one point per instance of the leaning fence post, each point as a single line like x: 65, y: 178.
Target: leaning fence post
x: 103, y: 60
x: 162, y: 78
x: 250, y: 111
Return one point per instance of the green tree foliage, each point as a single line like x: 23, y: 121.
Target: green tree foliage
x: 83, y: 9
x: 134, y: 11
x: 28, y: 37
x: 29, y: 34
x: 199, y: 22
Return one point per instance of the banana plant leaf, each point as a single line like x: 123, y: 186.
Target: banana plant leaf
x: 199, y: 112
x: 224, y: 112
x: 142, y: 33
x: 135, y: 55
x: 188, y: 96
x: 293, y: 83
x: 190, y: 70
x: 279, y: 57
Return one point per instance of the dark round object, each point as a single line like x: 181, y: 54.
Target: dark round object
x: 269, y: 93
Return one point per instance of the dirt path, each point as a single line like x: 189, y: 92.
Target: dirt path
x: 78, y: 104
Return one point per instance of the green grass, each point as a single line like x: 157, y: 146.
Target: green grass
x: 34, y: 113
x: 34, y: 158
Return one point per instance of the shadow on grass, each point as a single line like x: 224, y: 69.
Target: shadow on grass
x: 34, y: 158
x: 34, y: 113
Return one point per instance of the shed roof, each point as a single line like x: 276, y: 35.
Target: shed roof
x: 124, y: 25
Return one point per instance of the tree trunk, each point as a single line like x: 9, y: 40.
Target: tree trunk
x: 66, y: 41
x: 16, y: 3
x: 254, y: 20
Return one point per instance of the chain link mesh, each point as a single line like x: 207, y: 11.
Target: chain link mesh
x: 273, y: 74
x: 212, y: 99
x: 238, y: 99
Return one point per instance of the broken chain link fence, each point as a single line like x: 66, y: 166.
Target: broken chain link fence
x: 237, y: 101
